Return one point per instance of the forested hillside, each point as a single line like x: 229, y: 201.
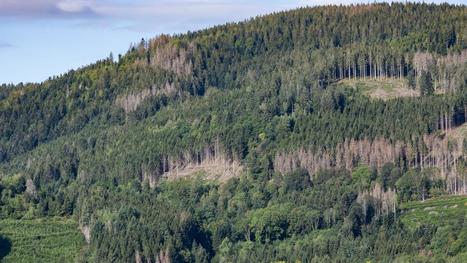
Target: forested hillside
x: 306, y: 135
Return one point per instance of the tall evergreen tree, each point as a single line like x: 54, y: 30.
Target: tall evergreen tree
x: 426, y: 83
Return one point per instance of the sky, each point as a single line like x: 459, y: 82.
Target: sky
x: 42, y: 38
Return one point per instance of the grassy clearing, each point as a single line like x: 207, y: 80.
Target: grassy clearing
x: 459, y: 132
x: 384, y: 88
x: 438, y: 211
x: 40, y: 240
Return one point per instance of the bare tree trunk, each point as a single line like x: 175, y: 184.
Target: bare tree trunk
x: 349, y: 69
x: 446, y: 121
x: 355, y: 71
x: 421, y: 160
x: 400, y: 69
x: 364, y: 69
x: 464, y: 185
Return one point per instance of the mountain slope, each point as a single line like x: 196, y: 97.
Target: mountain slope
x: 304, y: 167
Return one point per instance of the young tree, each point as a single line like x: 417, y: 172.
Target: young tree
x: 411, y: 79
x: 426, y: 84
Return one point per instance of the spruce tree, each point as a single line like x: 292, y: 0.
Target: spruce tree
x: 426, y: 84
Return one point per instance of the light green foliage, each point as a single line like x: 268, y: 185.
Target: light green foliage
x: 446, y: 219
x: 97, y: 143
x: 442, y: 211
x: 41, y: 240
x: 361, y: 176
x: 384, y: 88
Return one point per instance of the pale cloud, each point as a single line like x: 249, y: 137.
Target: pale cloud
x: 175, y: 15
x: 187, y: 9
x: 156, y: 11
x: 74, y: 6
x: 141, y: 15
x: 5, y: 45
x: 131, y: 8
x: 127, y: 8
x: 46, y: 8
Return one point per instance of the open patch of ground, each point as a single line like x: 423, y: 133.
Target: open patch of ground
x: 381, y: 88
x: 459, y: 132
x: 218, y: 169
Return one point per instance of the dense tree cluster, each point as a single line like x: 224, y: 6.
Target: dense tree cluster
x: 316, y: 41
x: 265, y: 96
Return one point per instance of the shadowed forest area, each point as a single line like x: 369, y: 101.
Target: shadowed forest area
x: 320, y: 134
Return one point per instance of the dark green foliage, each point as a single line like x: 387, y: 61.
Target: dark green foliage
x: 426, y: 84
x: 5, y: 247
x: 94, y: 144
x: 312, y: 40
x: 297, y: 181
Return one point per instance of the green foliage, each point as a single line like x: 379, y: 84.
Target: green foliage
x: 41, y: 240
x: 361, y: 176
x: 97, y: 143
x: 442, y: 211
x: 426, y: 84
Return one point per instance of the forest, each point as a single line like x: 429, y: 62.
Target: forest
x: 250, y: 141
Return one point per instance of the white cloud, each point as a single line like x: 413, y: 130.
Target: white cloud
x: 128, y: 8
x: 46, y: 8
x: 74, y: 6
x: 195, y: 9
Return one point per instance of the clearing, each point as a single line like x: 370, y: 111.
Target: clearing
x: 381, y: 88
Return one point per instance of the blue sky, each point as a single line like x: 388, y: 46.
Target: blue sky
x: 42, y: 38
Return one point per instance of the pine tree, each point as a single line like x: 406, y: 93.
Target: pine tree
x: 426, y: 84
x: 411, y: 79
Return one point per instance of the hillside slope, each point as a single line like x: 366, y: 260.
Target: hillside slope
x: 41, y: 240
x: 300, y: 135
